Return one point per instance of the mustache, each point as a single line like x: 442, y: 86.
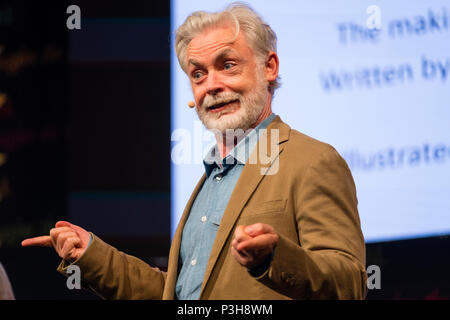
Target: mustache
x: 222, y: 98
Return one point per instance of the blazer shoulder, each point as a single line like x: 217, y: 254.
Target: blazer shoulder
x: 305, y: 149
x: 306, y: 144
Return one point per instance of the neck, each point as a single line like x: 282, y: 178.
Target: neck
x: 225, y: 146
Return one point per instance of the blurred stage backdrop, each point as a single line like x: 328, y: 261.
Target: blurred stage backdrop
x: 84, y: 133
x: 85, y: 136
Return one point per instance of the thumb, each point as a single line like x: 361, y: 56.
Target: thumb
x: 76, y: 228
x: 63, y: 224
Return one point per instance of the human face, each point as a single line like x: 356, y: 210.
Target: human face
x: 228, y: 84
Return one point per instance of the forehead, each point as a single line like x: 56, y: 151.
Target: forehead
x: 215, y: 40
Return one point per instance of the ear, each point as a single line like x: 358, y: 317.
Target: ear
x: 271, y: 66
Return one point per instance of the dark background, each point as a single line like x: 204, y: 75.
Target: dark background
x: 85, y: 137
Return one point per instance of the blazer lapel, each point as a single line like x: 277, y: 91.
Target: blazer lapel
x: 172, y: 269
x: 251, y: 176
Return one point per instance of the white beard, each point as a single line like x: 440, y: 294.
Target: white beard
x: 251, y: 106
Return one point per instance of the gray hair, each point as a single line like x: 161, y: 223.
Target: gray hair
x: 261, y: 37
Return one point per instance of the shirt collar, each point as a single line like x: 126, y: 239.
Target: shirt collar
x: 240, y: 153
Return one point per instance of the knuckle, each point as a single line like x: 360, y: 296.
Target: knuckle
x: 259, y: 226
x: 53, y: 232
x: 67, y: 234
x: 73, y: 239
x: 62, y: 238
x: 59, y: 237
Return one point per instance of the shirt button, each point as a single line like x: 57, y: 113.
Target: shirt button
x: 219, y: 177
x: 203, y: 219
x: 193, y: 262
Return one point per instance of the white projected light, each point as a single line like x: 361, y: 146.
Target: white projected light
x: 373, y: 81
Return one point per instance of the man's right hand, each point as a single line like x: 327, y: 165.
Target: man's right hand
x: 70, y: 241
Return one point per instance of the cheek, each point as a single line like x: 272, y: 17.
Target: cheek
x: 240, y: 84
x: 199, y: 96
x: 246, y: 81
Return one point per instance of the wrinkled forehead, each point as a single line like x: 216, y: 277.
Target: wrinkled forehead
x: 218, y: 42
x: 224, y: 33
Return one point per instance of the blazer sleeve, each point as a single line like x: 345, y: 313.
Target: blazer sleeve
x: 328, y: 259
x: 112, y: 274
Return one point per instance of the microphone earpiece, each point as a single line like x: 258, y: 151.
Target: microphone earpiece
x: 191, y: 104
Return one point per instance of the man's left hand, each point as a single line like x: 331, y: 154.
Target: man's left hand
x: 253, y: 244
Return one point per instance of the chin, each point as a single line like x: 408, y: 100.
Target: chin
x: 242, y: 117
x: 238, y: 119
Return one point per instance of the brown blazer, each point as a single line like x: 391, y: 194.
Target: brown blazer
x: 308, y: 196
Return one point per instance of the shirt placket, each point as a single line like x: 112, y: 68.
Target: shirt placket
x: 212, y: 190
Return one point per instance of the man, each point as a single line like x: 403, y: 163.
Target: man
x: 287, y: 228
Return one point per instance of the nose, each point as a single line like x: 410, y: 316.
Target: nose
x: 213, y: 85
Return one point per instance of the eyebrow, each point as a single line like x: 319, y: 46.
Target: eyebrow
x: 221, y: 55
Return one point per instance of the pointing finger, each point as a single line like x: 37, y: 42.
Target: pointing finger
x: 42, y: 241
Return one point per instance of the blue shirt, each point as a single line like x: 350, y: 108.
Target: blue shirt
x: 207, y: 210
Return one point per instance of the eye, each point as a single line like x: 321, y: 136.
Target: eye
x: 197, y: 75
x: 227, y: 66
